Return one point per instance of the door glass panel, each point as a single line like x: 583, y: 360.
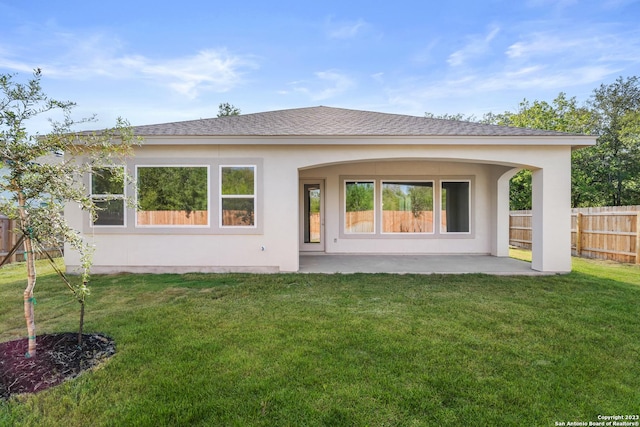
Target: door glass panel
x: 359, y: 207
x: 455, y: 207
x: 312, y: 213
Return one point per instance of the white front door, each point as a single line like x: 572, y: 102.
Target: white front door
x: 312, y: 215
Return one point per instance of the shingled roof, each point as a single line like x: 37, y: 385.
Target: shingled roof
x: 328, y: 121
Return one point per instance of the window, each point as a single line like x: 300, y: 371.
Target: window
x: 455, y: 207
x: 312, y: 213
x: 237, y: 196
x: 173, y: 196
x: 359, y: 202
x: 107, y: 193
x: 407, y: 207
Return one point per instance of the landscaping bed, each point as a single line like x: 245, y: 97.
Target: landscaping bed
x: 59, y: 357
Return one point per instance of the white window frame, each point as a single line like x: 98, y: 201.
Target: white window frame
x: 209, y: 207
x: 434, y: 206
x: 442, y: 208
x: 109, y: 197
x: 344, y: 207
x: 253, y: 196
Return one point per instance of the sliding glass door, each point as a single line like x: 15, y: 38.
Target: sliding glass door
x: 312, y: 215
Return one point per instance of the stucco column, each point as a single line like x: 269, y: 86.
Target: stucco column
x: 500, y: 226
x: 281, y: 191
x: 551, y: 200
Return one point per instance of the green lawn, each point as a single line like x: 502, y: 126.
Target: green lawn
x: 376, y: 350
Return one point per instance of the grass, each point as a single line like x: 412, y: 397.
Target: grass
x: 292, y: 349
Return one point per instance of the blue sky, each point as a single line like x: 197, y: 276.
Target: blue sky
x: 151, y: 62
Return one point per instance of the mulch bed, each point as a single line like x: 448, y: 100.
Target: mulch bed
x: 58, y: 358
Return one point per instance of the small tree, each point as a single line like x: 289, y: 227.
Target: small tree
x: 226, y: 109
x: 37, y: 183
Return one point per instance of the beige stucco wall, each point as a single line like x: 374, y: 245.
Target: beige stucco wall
x: 275, y: 245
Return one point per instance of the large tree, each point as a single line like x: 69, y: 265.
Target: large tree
x: 36, y: 181
x: 562, y: 114
x: 615, y: 160
x: 605, y: 174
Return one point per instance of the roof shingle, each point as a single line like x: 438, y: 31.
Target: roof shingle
x: 329, y: 121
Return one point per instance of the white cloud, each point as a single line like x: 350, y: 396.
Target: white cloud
x: 426, y: 55
x: 208, y: 70
x: 537, y: 65
x: 559, y: 4
x: 475, y: 47
x: 83, y: 57
x: 345, y: 30
x: 539, y: 62
x: 598, y: 47
x: 550, y: 43
x: 504, y: 84
x: 327, y: 84
x: 13, y: 65
x: 615, y: 4
x: 378, y: 77
x: 544, y: 78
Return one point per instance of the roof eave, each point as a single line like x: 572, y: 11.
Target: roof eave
x: 575, y: 141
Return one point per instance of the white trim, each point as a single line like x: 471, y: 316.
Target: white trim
x: 441, y: 210
x: 311, y: 247
x: 344, y: 206
x: 213, y: 227
x: 109, y: 197
x: 253, y: 196
x: 437, y: 233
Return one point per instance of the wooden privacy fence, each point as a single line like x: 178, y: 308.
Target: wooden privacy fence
x: 359, y: 222
x: 407, y: 222
x: 172, y: 218
x: 610, y: 232
x: 392, y: 222
x: 8, y: 239
x: 520, y: 229
x: 229, y: 218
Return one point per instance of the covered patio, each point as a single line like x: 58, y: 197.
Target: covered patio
x: 415, y: 264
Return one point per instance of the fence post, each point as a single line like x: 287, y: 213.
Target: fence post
x: 578, y: 234
x: 4, y: 234
x: 13, y: 239
x: 510, y: 226
x: 638, y: 238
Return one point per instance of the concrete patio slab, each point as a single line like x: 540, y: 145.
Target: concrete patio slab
x: 414, y: 264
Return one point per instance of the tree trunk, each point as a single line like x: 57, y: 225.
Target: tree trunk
x: 619, y: 189
x: 29, y: 300
x: 81, y: 323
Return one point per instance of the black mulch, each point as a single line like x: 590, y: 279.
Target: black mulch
x: 58, y: 358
